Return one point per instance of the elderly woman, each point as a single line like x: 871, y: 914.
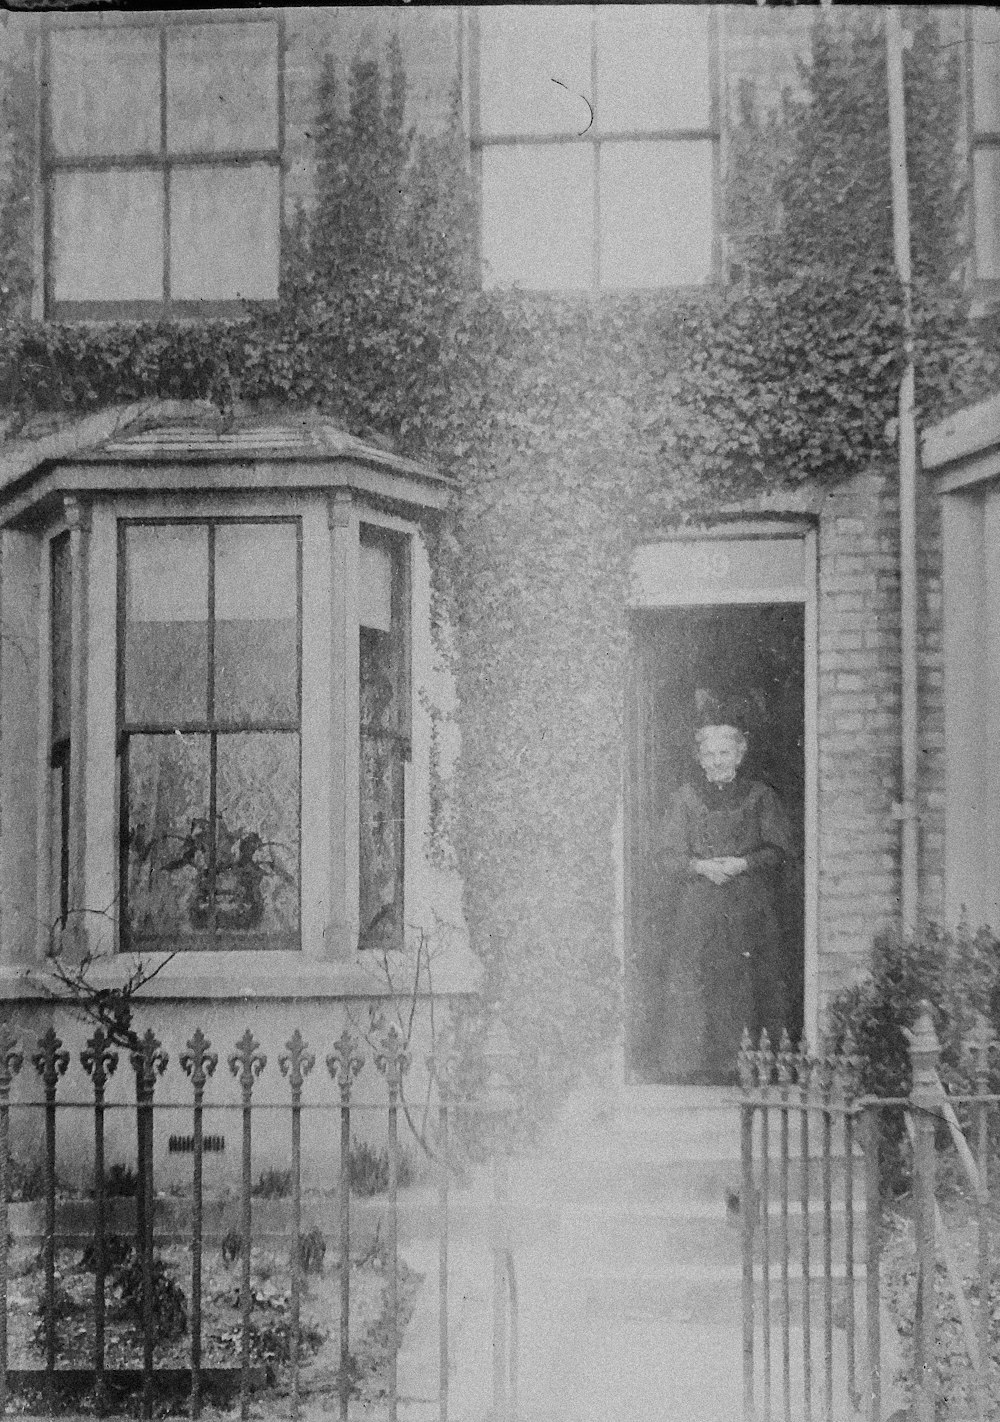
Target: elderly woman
x: 724, y: 840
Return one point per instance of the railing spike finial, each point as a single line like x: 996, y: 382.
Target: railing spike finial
x: 199, y: 1061
x: 925, y: 1049
x: 345, y: 1062
x: 392, y: 1058
x: 11, y: 1057
x: 98, y: 1059
x: 51, y: 1059
x: 765, y: 1059
x: 297, y: 1060
x: 981, y: 1045
x: 785, y: 1060
x: 746, y: 1065
x: 804, y: 1064
x: 149, y: 1060
x: 850, y: 1062
x: 247, y: 1062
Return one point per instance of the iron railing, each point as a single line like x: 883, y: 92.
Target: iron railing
x: 246, y: 1062
x: 813, y: 1198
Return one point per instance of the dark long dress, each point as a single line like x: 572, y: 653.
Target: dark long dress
x: 723, y: 969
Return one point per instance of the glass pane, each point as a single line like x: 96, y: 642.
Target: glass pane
x: 105, y: 88
x: 60, y: 634
x: 656, y: 213
x: 222, y: 87
x: 538, y: 216
x: 224, y: 233
x: 107, y: 236
x: 986, y: 70
x: 256, y: 622
x: 257, y: 832
x: 652, y: 67
x: 379, y: 690
x: 166, y: 624
x: 986, y: 170
x: 169, y: 881
x: 381, y: 843
x: 534, y: 67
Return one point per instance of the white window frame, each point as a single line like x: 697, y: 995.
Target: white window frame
x: 597, y: 138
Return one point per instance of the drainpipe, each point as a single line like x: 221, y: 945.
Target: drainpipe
x: 906, y: 810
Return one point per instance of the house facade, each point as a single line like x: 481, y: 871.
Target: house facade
x: 227, y: 721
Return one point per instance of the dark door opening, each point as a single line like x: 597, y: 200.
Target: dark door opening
x: 756, y: 652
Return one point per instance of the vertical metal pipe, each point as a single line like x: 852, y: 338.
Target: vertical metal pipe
x: 443, y: 1249
x: 852, y: 1378
x: 765, y: 1254
x: 747, y: 1210
x: 784, y: 1080
x: 827, y: 1241
x: 982, y: 1212
x: 199, y: 1061
x: 11, y: 1061
x: 99, y: 1062
x: 343, y: 1064
x: 924, y: 1052
x: 393, y: 1060
x: 804, y: 1074
x: 246, y: 1063
x: 50, y: 1061
x: 908, y: 591
x: 296, y: 1062
x: 871, y: 1126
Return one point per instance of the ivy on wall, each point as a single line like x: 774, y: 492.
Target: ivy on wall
x: 574, y: 425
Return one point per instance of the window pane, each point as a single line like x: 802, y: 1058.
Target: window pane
x: 105, y: 88
x: 107, y: 233
x: 656, y: 213
x: 986, y: 70
x: 538, y: 215
x: 652, y: 67
x: 381, y: 845
x: 375, y: 590
x: 256, y: 622
x: 222, y: 87
x: 257, y: 832
x: 169, y: 861
x: 166, y: 624
x: 60, y: 634
x: 224, y: 233
x: 986, y: 169
x: 524, y: 50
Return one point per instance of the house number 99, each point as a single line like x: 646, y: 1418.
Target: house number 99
x: 713, y: 564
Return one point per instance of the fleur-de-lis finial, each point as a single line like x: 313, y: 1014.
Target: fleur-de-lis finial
x: 99, y: 1060
x: 344, y: 1063
x: 849, y: 1066
x: 247, y: 1062
x: 804, y: 1064
x: 296, y: 1061
x: 11, y: 1058
x: 746, y: 1062
x: 51, y: 1059
x: 785, y: 1060
x: 199, y: 1061
x: 765, y: 1059
x: 149, y: 1060
x: 392, y: 1059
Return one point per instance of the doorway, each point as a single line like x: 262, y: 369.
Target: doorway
x: 756, y: 651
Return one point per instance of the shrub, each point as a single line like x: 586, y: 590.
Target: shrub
x: 273, y: 1185
x: 369, y: 1169
x: 958, y: 973
x: 312, y: 1250
x: 231, y: 1246
x: 121, y: 1180
x: 169, y: 1301
x: 27, y: 1182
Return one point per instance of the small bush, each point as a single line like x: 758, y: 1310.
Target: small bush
x: 27, y: 1182
x: 169, y: 1300
x: 121, y: 1180
x: 369, y: 1169
x: 273, y: 1185
x: 312, y: 1250
x: 231, y: 1246
x: 64, y: 1306
x: 116, y: 1254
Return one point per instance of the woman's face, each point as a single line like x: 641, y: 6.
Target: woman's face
x: 720, y: 750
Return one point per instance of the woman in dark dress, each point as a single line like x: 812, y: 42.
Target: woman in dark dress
x: 725, y: 839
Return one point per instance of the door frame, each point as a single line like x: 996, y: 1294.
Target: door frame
x: 762, y: 561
